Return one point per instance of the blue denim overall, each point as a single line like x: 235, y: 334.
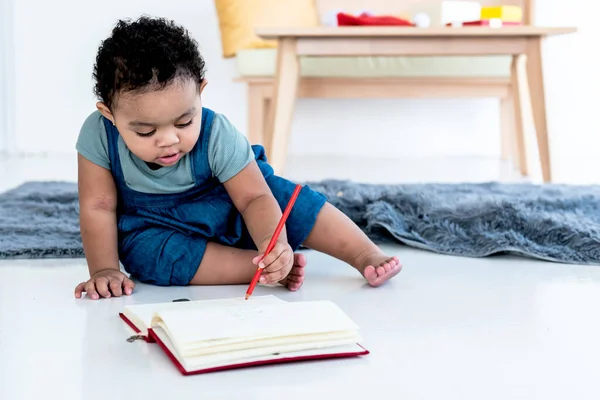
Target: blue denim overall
x: 162, y: 237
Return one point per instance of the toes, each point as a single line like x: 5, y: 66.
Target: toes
x: 299, y: 260
x: 295, y: 278
x: 379, y: 274
x: 386, y: 267
x: 370, y: 273
x: 390, y: 261
x: 294, y: 282
x: 396, y: 266
x: 391, y: 264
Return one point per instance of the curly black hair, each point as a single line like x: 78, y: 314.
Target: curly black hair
x: 145, y: 54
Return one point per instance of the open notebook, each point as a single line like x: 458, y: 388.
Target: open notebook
x: 139, y: 316
x: 213, y: 335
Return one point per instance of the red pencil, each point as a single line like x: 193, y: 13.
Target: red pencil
x: 284, y: 217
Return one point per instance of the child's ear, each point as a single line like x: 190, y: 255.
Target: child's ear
x: 203, y: 85
x: 104, y: 110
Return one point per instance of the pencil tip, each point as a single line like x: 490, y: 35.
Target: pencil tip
x: 247, y: 296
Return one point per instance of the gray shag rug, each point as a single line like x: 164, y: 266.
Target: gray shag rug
x: 559, y: 223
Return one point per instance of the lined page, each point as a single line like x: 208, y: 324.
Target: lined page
x: 253, y: 320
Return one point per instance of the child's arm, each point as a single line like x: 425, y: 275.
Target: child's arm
x: 261, y: 212
x: 98, y: 225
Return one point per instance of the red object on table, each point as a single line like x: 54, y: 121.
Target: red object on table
x: 274, y: 238
x: 486, y: 22
x: 371, y: 20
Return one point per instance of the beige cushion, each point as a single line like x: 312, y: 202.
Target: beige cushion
x: 239, y: 18
x: 261, y: 62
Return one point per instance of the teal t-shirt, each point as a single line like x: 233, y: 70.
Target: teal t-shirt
x: 228, y: 153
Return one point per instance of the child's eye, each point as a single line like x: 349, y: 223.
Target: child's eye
x: 184, y: 125
x: 146, y: 134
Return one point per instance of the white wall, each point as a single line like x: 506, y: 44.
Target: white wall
x: 6, y: 69
x: 55, y: 52
x: 55, y: 44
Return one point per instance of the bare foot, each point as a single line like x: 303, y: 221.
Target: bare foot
x: 296, y: 276
x: 379, y: 268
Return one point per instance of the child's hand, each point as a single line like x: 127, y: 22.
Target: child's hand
x: 277, y: 264
x: 106, y: 283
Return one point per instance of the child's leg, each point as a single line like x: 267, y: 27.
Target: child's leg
x: 336, y: 235
x: 224, y: 265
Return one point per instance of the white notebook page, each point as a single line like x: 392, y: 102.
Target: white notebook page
x: 253, y: 320
x: 193, y: 363
x: 144, y: 312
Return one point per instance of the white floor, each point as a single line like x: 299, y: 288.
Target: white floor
x: 445, y: 328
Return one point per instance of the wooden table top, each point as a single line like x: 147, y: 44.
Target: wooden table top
x: 397, y: 31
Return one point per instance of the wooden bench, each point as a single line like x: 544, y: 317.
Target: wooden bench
x: 271, y: 99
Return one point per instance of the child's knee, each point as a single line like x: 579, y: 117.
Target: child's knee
x: 170, y: 259
x: 162, y: 274
x: 304, y: 214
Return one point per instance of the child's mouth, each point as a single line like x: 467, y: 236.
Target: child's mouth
x: 170, y: 159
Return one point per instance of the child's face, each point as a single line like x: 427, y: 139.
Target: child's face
x: 159, y: 126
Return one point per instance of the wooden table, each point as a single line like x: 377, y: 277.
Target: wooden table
x: 522, y: 41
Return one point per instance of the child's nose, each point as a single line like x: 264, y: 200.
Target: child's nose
x: 170, y: 138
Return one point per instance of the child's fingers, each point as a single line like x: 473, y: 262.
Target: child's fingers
x: 128, y: 285
x: 115, y: 287
x: 272, y: 277
x: 269, y: 259
x: 90, y: 289
x: 283, y: 260
x: 278, y: 270
x: 79, y: 289
x: 275, y: 257
x: 272, y: 256
x: 102, y: 286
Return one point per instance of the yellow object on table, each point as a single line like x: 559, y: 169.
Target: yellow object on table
x: 504, y: 13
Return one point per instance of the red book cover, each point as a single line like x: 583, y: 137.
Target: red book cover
x: 147, y: 338
x: 361, y: 351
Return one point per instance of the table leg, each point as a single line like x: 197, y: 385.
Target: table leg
x: 281, y: 112
x: 256, y: 115
x: 506, y: 129
x: 519, y: 94
x: 537, y: 94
